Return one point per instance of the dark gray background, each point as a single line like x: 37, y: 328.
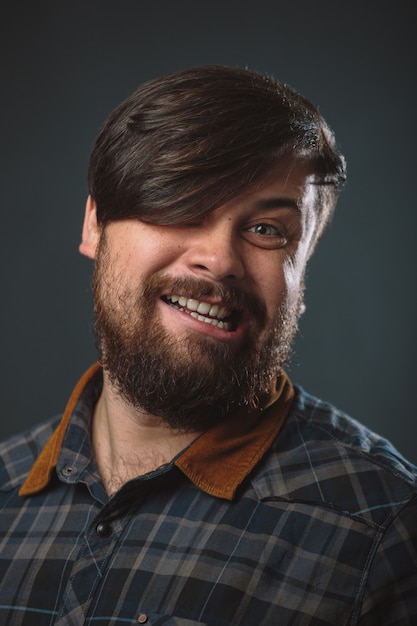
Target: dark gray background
x: 65, y: 65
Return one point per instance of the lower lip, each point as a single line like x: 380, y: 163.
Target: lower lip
x: 203, y: 327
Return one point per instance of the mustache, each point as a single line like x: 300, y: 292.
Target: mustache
x: 192, y: 287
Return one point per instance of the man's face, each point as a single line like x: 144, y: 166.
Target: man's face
x: 195, y: 319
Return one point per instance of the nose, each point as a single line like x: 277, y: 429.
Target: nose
x: 215, y: 253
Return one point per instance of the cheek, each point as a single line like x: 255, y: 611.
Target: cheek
x: 147, y: 257
x: 141, y: 248
x: 294, y: 271
x: 292, y: 275
x: 272, y: 284
x: 281, y: 282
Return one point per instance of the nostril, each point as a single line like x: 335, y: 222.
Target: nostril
x: 217, y: 261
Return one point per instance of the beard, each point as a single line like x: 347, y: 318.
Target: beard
x: 190, y: 381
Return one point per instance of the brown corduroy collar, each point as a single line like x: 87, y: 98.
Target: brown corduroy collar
x: 217, y: 462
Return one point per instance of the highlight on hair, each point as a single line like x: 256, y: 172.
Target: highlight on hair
x: 186, y: 143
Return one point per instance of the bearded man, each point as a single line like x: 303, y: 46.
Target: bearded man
x: 188, y: 481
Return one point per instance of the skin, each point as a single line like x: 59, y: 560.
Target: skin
x: 259, y: 241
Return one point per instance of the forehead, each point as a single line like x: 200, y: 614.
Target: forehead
x: 289, y: 183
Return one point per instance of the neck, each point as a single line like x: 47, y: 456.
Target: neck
x: 128, y: 442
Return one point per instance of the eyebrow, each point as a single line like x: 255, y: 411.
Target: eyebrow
x: 277, y: 203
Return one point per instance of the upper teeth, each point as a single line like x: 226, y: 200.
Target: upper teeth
x: 202, y: 311
x: 204, y: 308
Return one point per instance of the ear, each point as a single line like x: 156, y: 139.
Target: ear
x: 91, y: 230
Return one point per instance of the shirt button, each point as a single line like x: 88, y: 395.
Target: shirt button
x: 103, y: 530
x: 142, y: 619
x: 69, y: 471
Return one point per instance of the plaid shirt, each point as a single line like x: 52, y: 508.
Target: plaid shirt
x: 314, y: 522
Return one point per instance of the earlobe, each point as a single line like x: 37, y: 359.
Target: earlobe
x: 91, y: 230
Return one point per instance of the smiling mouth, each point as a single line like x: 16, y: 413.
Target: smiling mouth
x: 213, y: 314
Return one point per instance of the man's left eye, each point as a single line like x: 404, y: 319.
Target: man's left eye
x: 266, y: 235
x: 264, y: 229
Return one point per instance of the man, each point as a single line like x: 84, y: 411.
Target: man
x: 188, y: 481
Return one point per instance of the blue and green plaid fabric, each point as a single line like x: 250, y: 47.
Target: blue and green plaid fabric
x: 322, y: 531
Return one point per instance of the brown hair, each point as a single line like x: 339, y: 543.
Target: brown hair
x: 184, y: 144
